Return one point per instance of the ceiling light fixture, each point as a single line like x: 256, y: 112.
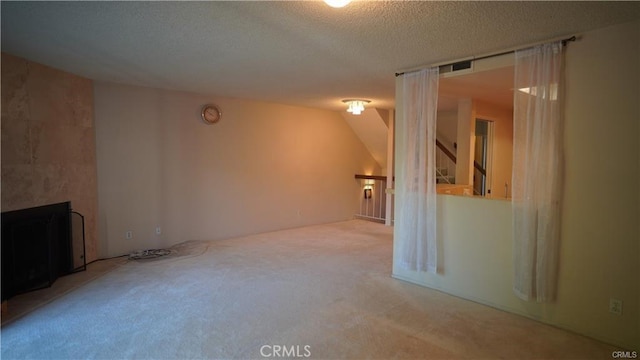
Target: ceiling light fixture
x: 337, y: 3
x: 356, y: 106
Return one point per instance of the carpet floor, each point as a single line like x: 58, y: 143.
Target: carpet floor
x: 321, y: 292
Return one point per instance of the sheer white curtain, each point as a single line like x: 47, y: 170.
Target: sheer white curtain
x: 537, y: 170
x: 415, y: 173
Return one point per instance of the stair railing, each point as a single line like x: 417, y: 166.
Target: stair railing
x: 444, y: 150
x: 445, y: 164
x: 372, y: 194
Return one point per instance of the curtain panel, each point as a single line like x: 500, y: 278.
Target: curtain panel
x: 537, y: 171
x: 416, y: 184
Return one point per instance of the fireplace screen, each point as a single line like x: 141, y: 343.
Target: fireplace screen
x: 39, y: 245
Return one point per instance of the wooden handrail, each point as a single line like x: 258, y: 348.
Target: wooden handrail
x: 449, y: 154
x: 371, y: 177
x: 446, y: 151
x: 479, y: 167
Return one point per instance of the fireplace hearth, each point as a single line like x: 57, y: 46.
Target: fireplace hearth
x: 39, y: 245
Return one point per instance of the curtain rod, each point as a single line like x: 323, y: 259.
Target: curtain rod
x: 564, y: 43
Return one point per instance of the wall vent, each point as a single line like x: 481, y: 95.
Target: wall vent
x: 461, y: 65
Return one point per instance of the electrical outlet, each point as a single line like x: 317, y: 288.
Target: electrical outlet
x: 615, y: 306
x: 158, y: 230
x: 128, y: 235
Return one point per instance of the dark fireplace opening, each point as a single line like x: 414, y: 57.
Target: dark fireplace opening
x: 39, y: 245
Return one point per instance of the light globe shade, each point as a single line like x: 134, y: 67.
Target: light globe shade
x: 355, y: 106
x: 337, y: 3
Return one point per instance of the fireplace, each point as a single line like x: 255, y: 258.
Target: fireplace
x: 39, y: 245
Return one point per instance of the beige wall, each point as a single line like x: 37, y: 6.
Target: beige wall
x: 600, y: 255
x: 262, y: 167
x: 600, y: 217
x: 48, y: 142
x: 502, y: 119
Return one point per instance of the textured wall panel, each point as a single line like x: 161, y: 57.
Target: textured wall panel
x: 48, y: 141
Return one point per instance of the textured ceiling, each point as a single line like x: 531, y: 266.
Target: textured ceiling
x: 301, y: 53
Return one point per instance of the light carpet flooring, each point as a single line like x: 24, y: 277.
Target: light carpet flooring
x: 327, y: 287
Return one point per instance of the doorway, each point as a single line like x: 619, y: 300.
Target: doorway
x: 483, y: 156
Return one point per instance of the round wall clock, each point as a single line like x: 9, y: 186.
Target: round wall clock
x: 211, y: 114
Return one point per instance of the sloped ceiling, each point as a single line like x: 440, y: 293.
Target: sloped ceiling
x: 293, y: 52
x: 371, y: 128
